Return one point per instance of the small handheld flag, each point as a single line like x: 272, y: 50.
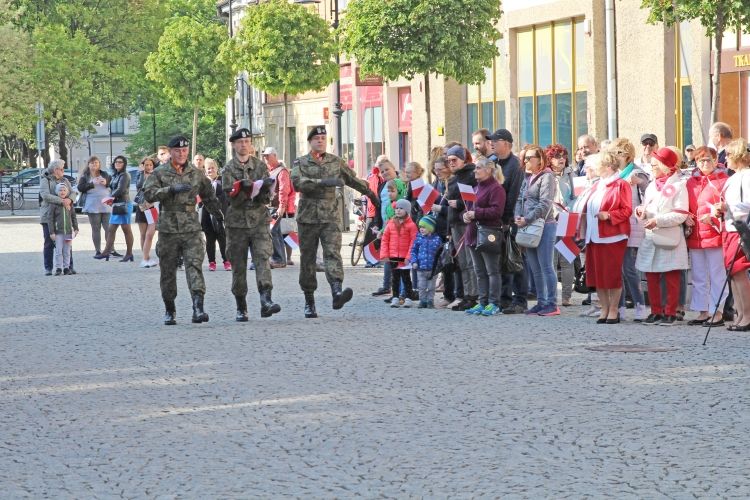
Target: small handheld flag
x: 292, y: 240
x: 467, y: 192
x: 372, y: 254
x: 568, y: 249
x: 567, y: 224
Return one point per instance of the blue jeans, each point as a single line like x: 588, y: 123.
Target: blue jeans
x: 631, y: 278
x: 542, y: 268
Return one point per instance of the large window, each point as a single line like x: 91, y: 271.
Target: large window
x: 486, y: 102
x: 683, y: 86
x: 374, y: 145
x: 551, y: 84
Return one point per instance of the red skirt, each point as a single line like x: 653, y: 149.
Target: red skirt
x: 604, y: 264
x: 731, y: 243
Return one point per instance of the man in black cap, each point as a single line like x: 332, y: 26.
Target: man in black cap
x: 514, y: 286
x: 175, y: 186
x: 245, y: 179
x: 316, y: 176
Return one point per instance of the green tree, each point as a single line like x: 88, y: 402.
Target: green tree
x: 285, y: 49
x: 404, y: 38
x: 186, y: 66
x: 716, y: 16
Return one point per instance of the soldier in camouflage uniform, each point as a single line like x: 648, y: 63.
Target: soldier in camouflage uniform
x: 175, y: 185
x: 316, y: 176
x: 246, y: 181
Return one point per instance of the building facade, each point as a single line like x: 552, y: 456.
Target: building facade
x: 108, y: 140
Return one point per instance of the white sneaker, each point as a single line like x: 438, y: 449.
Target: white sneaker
x: 590, y: 311
x: 640, y: 312
x: 395, y: 302
x: 408, y: 303
x: 454, y: 303
x: 144, y: 263
x: 621, y: 311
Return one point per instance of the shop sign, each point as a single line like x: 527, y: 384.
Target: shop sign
x: 742, y: 61
x: 367, y: 80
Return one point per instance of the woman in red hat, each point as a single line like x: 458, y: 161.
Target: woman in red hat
x: 663, y: 251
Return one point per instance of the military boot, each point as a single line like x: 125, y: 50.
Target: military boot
x: 267, y: 307
x: 241, y: 308
x: 310, y: 305
x: 199, y: 316
x: 169, y: 313
x: 340, y: 297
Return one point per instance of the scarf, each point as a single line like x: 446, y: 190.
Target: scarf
x: 662, y: 181
x: 627, y: 171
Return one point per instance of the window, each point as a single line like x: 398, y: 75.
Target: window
x: 347, y: 135
x: 485, y: 106
x: 374, y: 145
x: 551, y: 90
x: 683, y: 87
x: 117, y: 127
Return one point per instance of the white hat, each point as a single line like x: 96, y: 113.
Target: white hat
x: 268, y: 151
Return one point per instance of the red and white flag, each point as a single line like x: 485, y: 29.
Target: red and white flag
x: 428, y: 195
x: 292, y: 240
x: 256, y: 188
x: 567, y: 224
x: 152, y: 215
x: 405, y: 266
x: 272, y: 223
x: 416, y: 187
x: 467, y: 192
x: 372, y: 254
x: 568, y: 249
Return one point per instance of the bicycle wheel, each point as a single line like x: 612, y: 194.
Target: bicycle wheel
x: 357, y: 247
x: 17, y: 200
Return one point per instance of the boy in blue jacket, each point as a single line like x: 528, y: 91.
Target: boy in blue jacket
x: 422, y: 257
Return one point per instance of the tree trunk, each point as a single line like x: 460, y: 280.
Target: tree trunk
x: 718, y: 42
x: 427, y: 112
x: 62, y: 146
x: 283, y: 131
x: 194, y: 142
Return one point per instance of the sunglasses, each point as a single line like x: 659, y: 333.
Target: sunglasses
x: 648, y: 143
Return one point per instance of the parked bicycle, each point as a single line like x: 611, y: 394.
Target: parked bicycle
x: 11, y: 197
x: 359, y: 237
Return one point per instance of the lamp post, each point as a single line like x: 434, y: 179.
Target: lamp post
x: 233, y: 124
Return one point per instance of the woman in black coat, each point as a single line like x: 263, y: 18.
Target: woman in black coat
x: 207, y: 221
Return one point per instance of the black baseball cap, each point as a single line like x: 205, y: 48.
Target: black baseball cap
x: 501, y: 134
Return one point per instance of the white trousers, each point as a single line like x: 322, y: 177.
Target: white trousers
x: 708, y: 274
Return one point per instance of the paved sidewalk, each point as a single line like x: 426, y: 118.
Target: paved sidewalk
x: 99, y: 400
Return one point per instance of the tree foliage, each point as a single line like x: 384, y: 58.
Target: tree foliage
x: 404, y: 38
x: 284, y: 48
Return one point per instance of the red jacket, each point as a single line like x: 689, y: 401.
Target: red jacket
x: 398, y: 239
x: 701, y: 195
x: 618, y: 202
x: 375, y: 181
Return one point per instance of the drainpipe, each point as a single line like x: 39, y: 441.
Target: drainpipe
x: 609, y: 7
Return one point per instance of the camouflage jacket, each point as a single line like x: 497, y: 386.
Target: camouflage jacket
x: 243, y: 211
x: 177, y: 213
x: 319, y: 203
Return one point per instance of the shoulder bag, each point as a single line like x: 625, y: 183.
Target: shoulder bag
x: 288, y: 225
x: 530, y: 235
x: 489, y: 239
x: 511, y: 260
x: 666, y: 237
x: 120, y: 208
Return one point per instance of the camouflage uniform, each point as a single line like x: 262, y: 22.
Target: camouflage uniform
x: 319, y: 215
x: 247, y: 225
x: 179, y: 228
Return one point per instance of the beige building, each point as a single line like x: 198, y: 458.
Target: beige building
x: 550, y: 83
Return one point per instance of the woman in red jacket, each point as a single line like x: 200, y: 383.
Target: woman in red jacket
x: 606, y: 215
x: 704, y: 243
x: 398, y: 238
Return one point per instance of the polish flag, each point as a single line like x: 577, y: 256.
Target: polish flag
x: 467, y: 192
x: 372, y: 254
x: 292, y: 240
x: 272, y: 223
x: 579, y: 185
x: 568, y: 249
x: 405, y: 266
x: 567, y: 224
x: 416, y: 187
x: 427, y: 197
x: 256, y: 188
x: 152, y: 215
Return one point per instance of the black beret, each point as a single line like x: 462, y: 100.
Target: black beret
x: 242, y: 133
x: 178, y: 141
x: 319, y: 130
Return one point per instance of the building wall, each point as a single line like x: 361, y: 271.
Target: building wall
x: 99, y: 143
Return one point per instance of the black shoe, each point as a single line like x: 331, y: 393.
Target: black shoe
x: 653, y: 319
x: 414, y: 295
x: 310, y: 311
x: 586, y: 302
x: 381, y: 291
x: 169, y: 314
x: 680, y: 316
x: 668, y: 321
x: 199, y: 315
x: 710, y: 323
x: 601, y: 321
x: 72, y: 271
x: 66, y: 271
x: 340, y: 297
x: 267, y: 307
x: 514, y: 309
x: 629, y: 304
x: 48, y: 272
x: 696, y: 322
x: 612, y: 321
x: 115, y: 253
x: 241, y: 309
x: 58, y: 272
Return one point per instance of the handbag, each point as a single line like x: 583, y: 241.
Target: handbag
x: 511, y: 260
x: 140, y: 197
x: 666, y: 237
x: 444, y: 259
x: 288, y: 225
x: 489, y: 239
x: 530, y: 235
x: 120, y: 208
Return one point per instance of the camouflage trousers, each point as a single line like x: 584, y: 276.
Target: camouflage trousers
x: 259, y: 241
x: 329, y: 236
x: 192, y: 248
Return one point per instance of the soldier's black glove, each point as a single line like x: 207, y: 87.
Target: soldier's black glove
x: 373, y: 199
x: 246, y: 183
x: 267, y: 183
x: 218, y: 225
x: 179, y: 188
x: 332, y: 182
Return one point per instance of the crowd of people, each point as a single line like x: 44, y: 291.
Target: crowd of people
x: 489, y: 240
x: 648, y: 214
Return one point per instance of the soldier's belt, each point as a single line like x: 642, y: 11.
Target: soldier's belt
x: 319, y: 196
x: 179, y: 208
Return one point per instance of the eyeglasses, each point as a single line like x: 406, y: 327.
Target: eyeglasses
x: 528, y: 158
x: 648, y: 143
x: 119, y: 161
x: 705, y: 160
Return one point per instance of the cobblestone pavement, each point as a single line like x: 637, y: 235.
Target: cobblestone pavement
x: 99, y: 400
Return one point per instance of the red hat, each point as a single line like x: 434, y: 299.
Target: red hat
x: 667, y: 157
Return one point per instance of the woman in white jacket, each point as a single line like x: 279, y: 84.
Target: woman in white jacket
x: 663, y: 251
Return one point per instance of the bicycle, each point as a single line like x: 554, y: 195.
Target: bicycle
x: 359, y: 237
x: 11, y: 198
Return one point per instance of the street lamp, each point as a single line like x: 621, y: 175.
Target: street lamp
x: 233, y: 123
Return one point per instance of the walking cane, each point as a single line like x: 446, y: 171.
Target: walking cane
x: 718, y: 302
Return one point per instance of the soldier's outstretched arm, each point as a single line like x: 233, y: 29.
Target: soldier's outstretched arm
x: 301, y: 183
x: 351, y: 179
x: 154, y: 190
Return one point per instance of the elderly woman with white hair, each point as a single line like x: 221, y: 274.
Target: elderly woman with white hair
x: 53, y: 175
